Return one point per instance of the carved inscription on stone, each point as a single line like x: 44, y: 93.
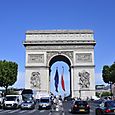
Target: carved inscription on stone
x: 84, y: 79
x: 35, y: 80
x: 35, y: 58
x: 83, y: 57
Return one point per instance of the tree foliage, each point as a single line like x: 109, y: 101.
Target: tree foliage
x: 108, y: 73
x: 112, y: 73
x: 8, y: 73
x: 106, y: 94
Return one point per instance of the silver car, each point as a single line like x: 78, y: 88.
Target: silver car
x: 30, y: 104
x: 44, y: 103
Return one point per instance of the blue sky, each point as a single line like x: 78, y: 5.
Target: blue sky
x: 18, y: 16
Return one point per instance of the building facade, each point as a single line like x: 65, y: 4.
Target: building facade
x: 74, y: 47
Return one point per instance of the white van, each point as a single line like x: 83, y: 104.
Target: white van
x: 11, y: 101
x: 44, y: 102
x: 1, y: 99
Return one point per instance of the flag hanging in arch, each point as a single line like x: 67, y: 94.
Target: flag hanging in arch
x: 56, y: 78
x: 62, y: 80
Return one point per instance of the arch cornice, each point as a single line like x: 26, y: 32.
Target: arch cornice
x: 62, y: 42
x: 85, y: 31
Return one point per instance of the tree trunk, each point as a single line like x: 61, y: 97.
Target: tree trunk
x: 6, y: 90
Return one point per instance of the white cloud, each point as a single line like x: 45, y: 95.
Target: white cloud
x: 20, y: 83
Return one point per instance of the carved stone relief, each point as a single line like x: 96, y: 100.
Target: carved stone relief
x: 35, y: 80
x: 84, y: 79
x: 65, y: 36
x: 35, y: 58
x: 59, y: 47
x: 83, y: 57
x: 53, y: 53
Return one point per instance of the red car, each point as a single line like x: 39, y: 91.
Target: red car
x: 80, y: 106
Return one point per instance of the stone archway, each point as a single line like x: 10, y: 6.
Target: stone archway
x: 67, y: 61
x: 43, y: 48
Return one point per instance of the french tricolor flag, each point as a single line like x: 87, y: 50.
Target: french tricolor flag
x: 62, y: 80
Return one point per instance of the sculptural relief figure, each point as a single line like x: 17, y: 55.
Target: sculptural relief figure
x: 35, y: 80
x: 84, y: 79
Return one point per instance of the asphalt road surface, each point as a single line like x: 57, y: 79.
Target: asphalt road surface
x: 66, y: 107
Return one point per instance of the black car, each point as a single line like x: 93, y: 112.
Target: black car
x: 80, y: 106
x: 106, y: 108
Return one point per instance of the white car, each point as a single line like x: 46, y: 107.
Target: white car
x: 44, y: 102
x: 11, y: 101
x: 95, y: 98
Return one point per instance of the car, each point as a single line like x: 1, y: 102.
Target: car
x: 107, y: 107
x: 80, y: 106
x: 11, y: 101
x: 1, y: 99
x: 44, y: 103
x: 28, y: 104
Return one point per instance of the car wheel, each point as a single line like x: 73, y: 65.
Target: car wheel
x: 4, y: 107
x: 96, y: 113
x: 88, y: 112
x: 39, y: 108
x: 99, y: 112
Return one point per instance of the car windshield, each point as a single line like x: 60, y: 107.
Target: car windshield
x: 80, y: 103
x: 44, y: 100
x: 27, y: 97
x: 110, y: 104
x: 10, y: 98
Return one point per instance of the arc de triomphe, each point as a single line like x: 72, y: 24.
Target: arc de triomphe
x: 75, y: 47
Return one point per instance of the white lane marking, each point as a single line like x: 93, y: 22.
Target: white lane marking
x: 42, y: 111
x: 13, y: 111
x: 50, y: 113
x: 22, y: 111
x: 4, y: 111
x: 32, y: 111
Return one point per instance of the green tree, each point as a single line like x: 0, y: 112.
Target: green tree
x: 106, y: 74
x: 105, y: 94
x: 8, y: 73
x: 112, y: 73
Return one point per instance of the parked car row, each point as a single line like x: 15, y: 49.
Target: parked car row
x: 14, y: 102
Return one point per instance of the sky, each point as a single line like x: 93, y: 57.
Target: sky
x: 18, y: 16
